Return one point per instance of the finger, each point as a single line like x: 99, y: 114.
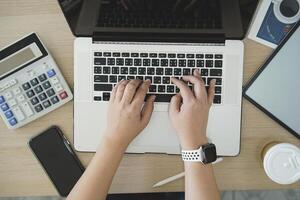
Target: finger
x: 114, y: 91
x: 120, y: 90
x: 130, y: 90
x: 141, y: 93
x: 199, y: 87
x: 211, y: 91
x: 147, y: 110
x: 185, y: 91
x: 175, y: 104
x: 197, y: 74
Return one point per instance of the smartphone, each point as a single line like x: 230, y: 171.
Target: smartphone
x: 58, y: 159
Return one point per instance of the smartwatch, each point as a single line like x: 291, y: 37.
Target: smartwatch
x: 205, y: 154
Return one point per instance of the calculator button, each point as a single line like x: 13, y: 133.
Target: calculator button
x: 26, y: 86
x: 42, y: 77
x: 18, y: 114
x: 63, y: 95
x: 38, y: 89
x: 30, y: 93
x: 58, y: 87
x: 21, y: 98
x: 38, y: 108
x: 42, y: 96
x: 8, y: 114
x: 27, y: 109
x: 13, y: 121
x: 34, y: 101
x: 2, y: 100
x: 54, y: 100
x: 46, y: 85
x: 50, y: 92
x: 6, y: 85
x: 13, y: 82
x: 34, y: 82
x: 17, y: 91
x: 4, y: 107
x: 46, y: 104
x: 54, y: 80
x: 51, y: 73
x: 12, y: 102
x: 8, y: 95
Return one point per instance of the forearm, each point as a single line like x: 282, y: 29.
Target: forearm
x: 200, y: 182
x: 96, y: 180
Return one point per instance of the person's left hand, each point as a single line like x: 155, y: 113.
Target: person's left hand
x: 127, y: 113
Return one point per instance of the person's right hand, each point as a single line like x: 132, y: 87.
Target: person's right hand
x: 189, y: 110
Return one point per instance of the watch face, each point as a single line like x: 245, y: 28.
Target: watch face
x: 210, y: 153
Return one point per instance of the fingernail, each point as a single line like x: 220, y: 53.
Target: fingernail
x: 148, y: 81
x: 153, y: 97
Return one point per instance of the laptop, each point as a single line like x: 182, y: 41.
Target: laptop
x: 153, y: 39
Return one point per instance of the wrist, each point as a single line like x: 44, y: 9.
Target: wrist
x: 193, y: 144
x: 110, y: 140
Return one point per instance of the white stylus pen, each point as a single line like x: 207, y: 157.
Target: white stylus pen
x: 177, y: 176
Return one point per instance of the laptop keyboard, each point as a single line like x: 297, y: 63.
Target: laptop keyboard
x: 112, y: 67
x: 160, y: 14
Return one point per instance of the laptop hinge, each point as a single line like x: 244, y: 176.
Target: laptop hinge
x: 158, y: 37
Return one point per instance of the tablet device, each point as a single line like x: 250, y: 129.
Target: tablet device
x: 275, y: 88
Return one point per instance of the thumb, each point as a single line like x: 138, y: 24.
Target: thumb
x: 147, y: 110
x: 175, y: 104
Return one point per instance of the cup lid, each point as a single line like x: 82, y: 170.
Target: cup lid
x: 282, y: 163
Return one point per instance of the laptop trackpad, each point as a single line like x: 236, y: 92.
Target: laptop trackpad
x: 161, y: 107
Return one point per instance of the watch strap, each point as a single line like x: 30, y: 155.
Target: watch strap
x: 192, y: 155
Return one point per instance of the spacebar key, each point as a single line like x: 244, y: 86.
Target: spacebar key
x: 102, y: 87
x: 162, y: 97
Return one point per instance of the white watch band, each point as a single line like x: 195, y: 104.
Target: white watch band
x: 193, y: 155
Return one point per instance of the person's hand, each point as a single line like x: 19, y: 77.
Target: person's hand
x: 189, y: 110
x: 127, y: 113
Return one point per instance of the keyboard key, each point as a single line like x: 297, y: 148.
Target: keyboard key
x: 168, y: 71
x: 110, y: 61
x: 155, y: 62
x: 13, y: 121
x: 133, y: 70
x: 97, y: 53
x: 218, y: 81
x: 180, y: 55
x: 218, y: 56
x: 46, y: 104
x: 191, y: 63
x: 30, y: 93
x: 142, y: 71
x: 50, y: 92
x: 152, y: 88
x: 162, y: 55
x: 50, y: 73
x: 186, y: 71
x: 144, y: 55
x: 42, y: 77
x: 97, y: 70
x: 97, y: 98
x: 134, y: 55
x: 159, y: 71
x: 107, y: 54
x: 42, y: 96
x: 182, y: 63
x: 120, y: 61
x: 216, y: 72
x: 204, y: 80
x: 218, y: 90
x: 137, y: 62
x: 101, y: 78
x: 157, y: 80
x: 190, y: 55
x: 146, y: 62
x: 34, y: 82
x: 149, y: 78
x: 63, y: 95
x: 8, y: 114
x: 128, y: 61
x: 177, y: 72
x: 204, y: 72
x: 116, y: 54
x: 21, y: 98
x: 113, y: 79
x: 100, y: 61
x: 170, y: 89
x: 164, y: 62
x: 106, y: 70
x: 46, y: 85
x: 153, y: 55
x: 27, y: 109
x: 150, y: 71
x: 38, y: 89
x: 124, y: 70
x: 115, y: 70
x: 26, y: 86
x: 171, y: 55
x: 102, y: 87
x: 161, y: 88
x: 200, y: 63
x: 209, y: 63
x: 162, y: 97
x: 106, y: 96
x: 217, y: 99
x: 208, y: 55
x: 140, y: 78
x: 218, y: 63
x: 34, y: 101
x: 130, y: 77
x: 125, y: 54
x: 121, y: 78
x: 173, y: 63
x: 54, y: 100
x: 199, y: 56
x: 18, y: 113
x: 38, y: 108
x: 166, y: 80
x: 2, y: 100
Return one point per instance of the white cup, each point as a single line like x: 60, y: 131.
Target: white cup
x: 282, y: 163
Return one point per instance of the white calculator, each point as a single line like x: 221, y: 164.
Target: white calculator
x: 31, y: 85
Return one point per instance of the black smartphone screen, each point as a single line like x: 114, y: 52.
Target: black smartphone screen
x: 58, y: 159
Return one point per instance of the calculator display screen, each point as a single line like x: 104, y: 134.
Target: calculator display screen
x: 18, y: 59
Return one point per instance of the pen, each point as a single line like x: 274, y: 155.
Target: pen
x: 177, y: 176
